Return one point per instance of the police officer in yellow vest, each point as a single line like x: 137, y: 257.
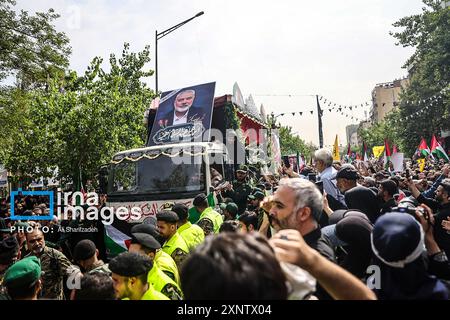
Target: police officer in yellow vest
x: 192, y: 234
x: 147, y: 245
x: 209, y: 220
x: 164, y: 261
x: 129, y: 274
x: 175, y: 246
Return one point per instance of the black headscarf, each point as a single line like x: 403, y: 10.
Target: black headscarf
x: 363, y: 199
x: 355, y: 229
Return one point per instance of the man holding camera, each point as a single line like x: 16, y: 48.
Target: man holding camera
x: 441, y: 206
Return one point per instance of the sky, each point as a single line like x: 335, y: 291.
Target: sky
x: 281, y: 52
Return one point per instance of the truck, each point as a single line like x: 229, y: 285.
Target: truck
x: 151, y: 176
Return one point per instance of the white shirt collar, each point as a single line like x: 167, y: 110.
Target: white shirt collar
x: 179, y: 120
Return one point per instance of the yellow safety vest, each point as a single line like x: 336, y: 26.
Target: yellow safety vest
x: 152, y: 294
x: 159, y: 279
x: 175, y: 241
x: 214, y: 216
x: 166, y: 263
x: 192, y: 234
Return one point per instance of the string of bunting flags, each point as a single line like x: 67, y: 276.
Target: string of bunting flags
x: 433, y: 98
x: 431, y: 102
x: 330, y: 106
x: 300, y: 113
x: 337, y: 106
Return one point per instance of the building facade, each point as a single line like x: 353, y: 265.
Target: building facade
x: 386, y: 97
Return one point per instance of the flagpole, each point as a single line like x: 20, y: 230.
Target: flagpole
x: 319, y: 116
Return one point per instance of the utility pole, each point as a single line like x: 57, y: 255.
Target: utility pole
x: 319, y: 115
x: 159, y: 35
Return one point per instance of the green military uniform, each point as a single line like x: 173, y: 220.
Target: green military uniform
x: 100, y: 267
x: 167, y: 265
x: 192, y: 234
x: 161, y: 282
x: 23, y: 273
x: 239, y: 194
x: 210, y: 221
x: 55, y: 266
x: 177, y: 248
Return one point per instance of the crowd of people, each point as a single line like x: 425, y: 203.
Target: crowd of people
x: 332, y: 231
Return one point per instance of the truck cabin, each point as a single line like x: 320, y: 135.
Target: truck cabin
x: 163, y: 171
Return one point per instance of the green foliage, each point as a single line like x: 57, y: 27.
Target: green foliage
x: 378, y: 132
x: 291, y: 143
x: 231, y: 118
x: 78, y: 126
x: 429, y: 34
x: 30, y: 47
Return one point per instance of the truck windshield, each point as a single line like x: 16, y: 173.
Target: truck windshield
x: 159, y: 175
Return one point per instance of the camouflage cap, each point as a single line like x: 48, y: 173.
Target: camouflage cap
x: 242, y: 168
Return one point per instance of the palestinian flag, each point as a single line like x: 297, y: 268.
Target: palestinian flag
x: 349, y: 153
x: 364, y: 152
x: 423, y: 148
x: 115, y: 240
x: 437, y: 150
x: 387, y: 154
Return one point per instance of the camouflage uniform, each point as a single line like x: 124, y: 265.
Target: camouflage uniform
x: 172, y: 292
x: 179, y: 256
x: 207, y: 225
x: 100, y: 267
x: 54, y: 267
x: 3, y: 293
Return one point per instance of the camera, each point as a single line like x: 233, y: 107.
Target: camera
x: 410, y: 210
x: 312, y: 177
x: 319, y: 184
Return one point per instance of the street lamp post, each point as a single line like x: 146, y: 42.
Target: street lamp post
x: 163, y: 34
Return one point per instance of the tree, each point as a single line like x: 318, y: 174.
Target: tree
x: 78, y: 126
x: 30, y: 47
x: 429, y: 34
x: 291, y: 143
x: 378, y: 132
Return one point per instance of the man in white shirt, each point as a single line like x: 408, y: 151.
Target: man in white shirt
x: 182, y: 103
x: 323, y: 160
x: 183, y: 112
